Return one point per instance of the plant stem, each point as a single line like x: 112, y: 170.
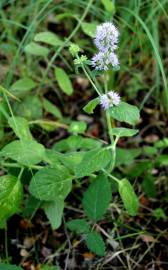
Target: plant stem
x: 109, y: 126
x: 6, y: 244
x: 16, y: 165
x: 88, y: 76
x: 111, y: 176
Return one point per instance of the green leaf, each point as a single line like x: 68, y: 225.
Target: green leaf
x: 162, y: 160
x: 11, y: 193
x: 126, y: 156
x: 125, y: 112
x: 49, y: 107
x: 48, y: 38
x: 75, y: 142
x: 21, y: 127
x: 93, y: 161
x: 63, y: 81
x: 89, y: 29
x: 35, y: 49
x: 54, y: 212
x: 97, y: 198
x: 79, y: 226
x: 4, y: 266
x: 22, y: 86
x: 50, y: 183
x: 128, y: 197
x: 150, y: 150
x: 52, y: 158
x: 27, y: 152
x: 95, y: 243
x: 89, y: 108
x: 137, y: 169
x: 148, y: 186
x: 124, y: 132
x: 109, y: 5
x: 159, y: 213
x: 30, y: 108
x: 77, y: 127
x: 30, y: 207
x: 48, y: 267
x: 162, y: 143
x: 71, y: 160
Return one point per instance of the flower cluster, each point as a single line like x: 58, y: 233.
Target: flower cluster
x: 102, y: 60
x: 106, y: 41
x: 109, y: 100
x: 106, y: 37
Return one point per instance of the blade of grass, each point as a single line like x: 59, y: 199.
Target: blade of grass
x: 156, y: 53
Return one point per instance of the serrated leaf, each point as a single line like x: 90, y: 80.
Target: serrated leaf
x: 93, y: 161
x: 95, y: 243
x: 128, y: 197
x: 27, y: 152
x: 36, y: 49
x: 11, y: 193
x: 54, y: 212
x: 89, y: 108
x: 125, y: 112
x: 21, y: 127
x: 49, y: 183
x: 89, y: 29
x: 63, y: 81
x: 22, y: 86
x: 4, y: 266
x: 124, y: 132
x: 51, y: 108
x: 48, y: 38
x: 97, y: 198
x: 79, y: 226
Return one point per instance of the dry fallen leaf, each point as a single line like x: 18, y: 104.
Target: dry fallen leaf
x: 29, y: 242
x: 147, y: 238
x: 24, y: 253
x: 88, y: 255
x: 151, y: 138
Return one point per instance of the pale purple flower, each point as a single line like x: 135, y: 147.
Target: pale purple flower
x: 114, y: 98
x: 109, y: 100
x: 106, y: 37
x: 103, y: 60
x: 104, y: 101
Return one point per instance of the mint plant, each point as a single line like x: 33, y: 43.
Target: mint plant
x: 102, y: 160
x: 53, y: 171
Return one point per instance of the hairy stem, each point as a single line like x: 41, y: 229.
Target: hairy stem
x: 109, y: 126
